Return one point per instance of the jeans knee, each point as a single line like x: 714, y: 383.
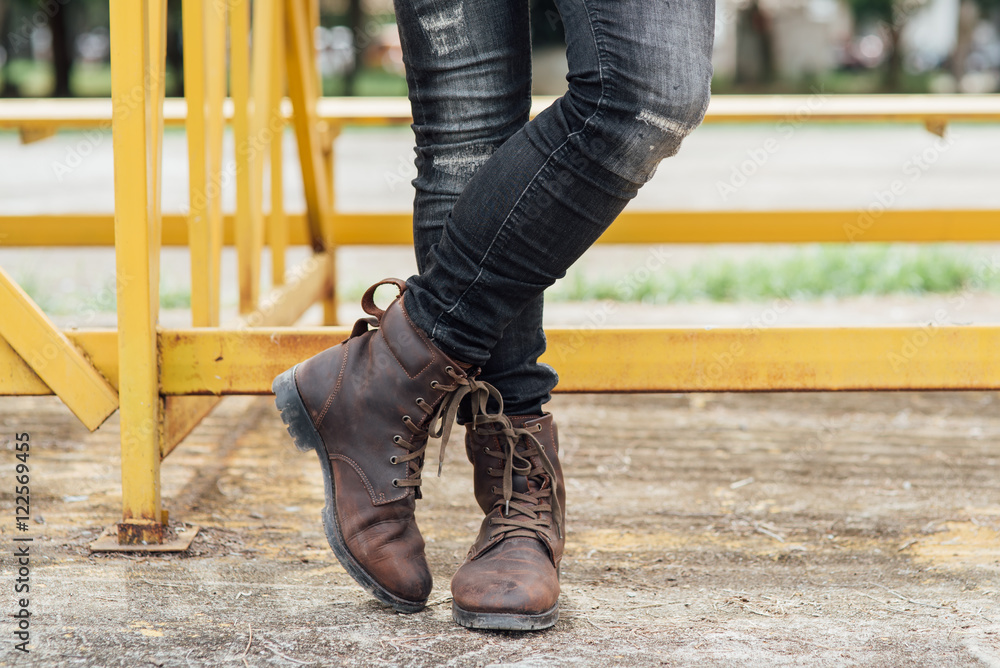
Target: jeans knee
x: 675, y: 110
x: 660, y: 121
x: 644, y: 125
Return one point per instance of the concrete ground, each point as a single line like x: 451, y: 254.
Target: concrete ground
x: 729, y: 530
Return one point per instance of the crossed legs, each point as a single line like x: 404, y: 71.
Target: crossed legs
x: 504, y: 206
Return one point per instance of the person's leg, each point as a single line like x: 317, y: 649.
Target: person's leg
x: 468, y: 68
x: 639, y: 81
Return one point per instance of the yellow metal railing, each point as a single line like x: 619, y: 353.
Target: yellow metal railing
x: 164, y: 382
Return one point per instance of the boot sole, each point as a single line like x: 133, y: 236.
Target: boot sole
x: 306, y: 438
x: 499, y: 621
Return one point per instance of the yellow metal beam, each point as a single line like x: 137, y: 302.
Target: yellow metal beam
x: 245, y: 361
x: 632, y: 227
x: 701, y: 227
x: 785, y: 359
x: 681, y: 227
x: 100, y: 347
x: 180, y: 416
x: 30, y: 135
x: 306, y: 284
x: 53, y: 358
x: 137, y: 235
x: 645, y: 360
x: 923, y: 109
x: 16, y: 377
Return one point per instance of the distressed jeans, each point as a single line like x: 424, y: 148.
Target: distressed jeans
x: 504, y: 205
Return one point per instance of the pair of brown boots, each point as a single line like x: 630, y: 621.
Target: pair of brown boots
x: 367, y: 407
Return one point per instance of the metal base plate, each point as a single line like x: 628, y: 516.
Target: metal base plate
x: 182, y: 537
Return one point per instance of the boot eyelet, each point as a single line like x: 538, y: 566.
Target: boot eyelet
x: 397, y: 438
x: 420, y: 400
x: 449, y: 369
x: 407, y: 418
x: 434, y: 384
x: 393, y: 460
x: 485, y: 449
x: 395, y: 482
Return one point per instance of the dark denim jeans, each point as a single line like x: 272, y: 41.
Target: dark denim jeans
x: 504, y: 206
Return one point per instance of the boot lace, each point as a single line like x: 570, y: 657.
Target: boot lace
x: 528, y: 506
x: 441, y: 421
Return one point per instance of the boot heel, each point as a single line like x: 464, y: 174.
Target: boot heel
x: 293, y: 412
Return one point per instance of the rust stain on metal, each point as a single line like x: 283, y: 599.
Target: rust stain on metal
x: 140, y: 533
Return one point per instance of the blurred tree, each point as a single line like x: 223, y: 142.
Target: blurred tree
x: 355, y: 21
x: 754, y: 45
x: 970, y: 13
x: 968, y: 17
x: 891, y: 15
x: 63, y: 38
x: 7, y: 89
x: 16, y: 25
x: 175, y: 48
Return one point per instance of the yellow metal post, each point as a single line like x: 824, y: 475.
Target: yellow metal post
x: 329, y: 159
x: 277, y: 224
x: 303, y: 93
x: 198, y: 229
x: 156, y: 72
x: 215, y: 93
x: 329, y: 133
x: 182, y: 414
x: 204, y: 73
x: 137, y: 236
x: 263, y: 128
x: 247, y: 217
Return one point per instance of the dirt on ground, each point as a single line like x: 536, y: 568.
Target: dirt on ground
x: 853, y: 529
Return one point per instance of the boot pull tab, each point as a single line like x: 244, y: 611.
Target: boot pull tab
x: 368, y: 301
x: 362, y: 326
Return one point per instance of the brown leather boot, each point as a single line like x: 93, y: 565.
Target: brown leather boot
x: 510, y: 580
x: 367, y: 407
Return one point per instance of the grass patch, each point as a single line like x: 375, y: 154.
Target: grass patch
x: 35, y: 78
x: 833, y: 82
x: 370, y: 82
x: 802, y: 273
x: 175, y: 297
x: 810, y: 272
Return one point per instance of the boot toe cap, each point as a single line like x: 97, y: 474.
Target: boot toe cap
x: 515, y: 577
